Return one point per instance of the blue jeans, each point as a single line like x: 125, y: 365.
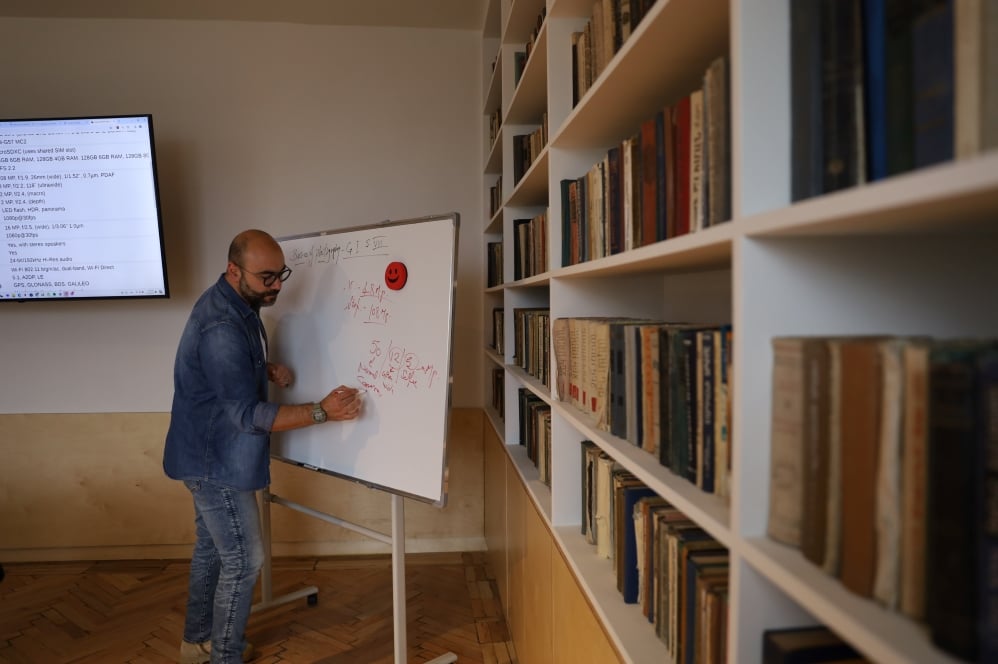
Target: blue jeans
x: 228, y: 555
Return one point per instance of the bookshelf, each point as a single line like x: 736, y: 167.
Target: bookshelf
x: 910, y: 254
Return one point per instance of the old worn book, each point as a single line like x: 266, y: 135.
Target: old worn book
x: 886, y: 582
x: 861, y: 398
x: 562, y: 357
x: 718, y: 131
x: 833, y: 513
x: 697, y: 194
x: 786, y: 498
x: 976, y: 76
x: 954, y: 462
x: 915, y: 367
x: 604, y: 506
x: 814, y: 450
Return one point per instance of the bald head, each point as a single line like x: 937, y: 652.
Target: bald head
x: 251, y: 241
x: 254, y: 257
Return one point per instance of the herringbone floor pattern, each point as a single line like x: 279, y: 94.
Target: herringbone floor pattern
x: 132, y: 612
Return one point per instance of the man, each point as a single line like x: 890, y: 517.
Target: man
x: 219, y: 439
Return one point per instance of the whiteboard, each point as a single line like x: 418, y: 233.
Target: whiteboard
x: 346, y: 316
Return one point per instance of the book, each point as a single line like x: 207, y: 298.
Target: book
x: 806, y: 157
x: 875, y: 87
x: 786, y: 470
x: 899, y: 103
x: 697, y: 194
x: 843, y: 137
x: 814, y: 450
x: 976, y: 71
x: 650, y: 387
x: 588, y: 453
x: 604, y: 505
x: 915, y: 363
x: 833, y: 514
x: 932, y: 79
x: 704, y: 568
x: 886, y: 580
x: 649, y: 180
x: 562, y: 356
x: 860, y: 403
x: 952, y: 583
x: 987, y: 496
x: 681, y: 177
x: 627, y: 491
x: 718, y: 134
x: 705, y: 400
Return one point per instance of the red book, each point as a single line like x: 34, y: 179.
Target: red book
x: 681, y: 119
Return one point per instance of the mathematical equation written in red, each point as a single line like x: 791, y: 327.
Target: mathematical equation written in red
x: 391, y: 368
x: 368, y: 302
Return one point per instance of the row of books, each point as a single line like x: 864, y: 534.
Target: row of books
x: 527, y: 148
x: 535, y: 431
x: 495, y: 197
x: 884, y: 472
x: 531, y: 341
x: 530, y: 246
x: 880, y: 87
x: 495, y: 124
x: 610, y: 25
x: 498, y: 330
x: 493, y: 268
x: 528, y: 48
x: 671, y: 177
x: 499, y: 391
x: 664, y: 387
x: 664, y: 562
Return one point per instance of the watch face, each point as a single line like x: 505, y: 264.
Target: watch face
x: 318, y: 414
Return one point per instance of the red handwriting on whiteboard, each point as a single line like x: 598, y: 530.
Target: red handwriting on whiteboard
x: 368, y: 301
x: 390, y: 368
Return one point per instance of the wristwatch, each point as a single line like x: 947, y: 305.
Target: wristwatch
x: 318, y: 415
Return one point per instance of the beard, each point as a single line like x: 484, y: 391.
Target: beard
x: 256, y: 299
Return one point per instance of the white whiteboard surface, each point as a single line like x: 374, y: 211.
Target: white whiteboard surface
x: 339, y: 321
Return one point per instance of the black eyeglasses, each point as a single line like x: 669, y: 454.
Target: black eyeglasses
x: 268, y: 278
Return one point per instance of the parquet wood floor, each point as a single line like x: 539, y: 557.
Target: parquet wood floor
x: 132, y: 612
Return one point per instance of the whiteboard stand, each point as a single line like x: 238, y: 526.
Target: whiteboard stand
x: 397, y: 541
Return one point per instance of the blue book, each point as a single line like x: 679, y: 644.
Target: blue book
x: 932, y: 82
x: 699, y: 563
x: 875, y: 96
x: 631, y: 495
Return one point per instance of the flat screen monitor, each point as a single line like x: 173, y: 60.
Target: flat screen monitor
x: 80, y: 210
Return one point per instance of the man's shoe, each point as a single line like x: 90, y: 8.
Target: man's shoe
x: 200, y: 653
x: 195, y: 653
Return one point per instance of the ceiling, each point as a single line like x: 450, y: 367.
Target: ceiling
x: 452, y: 14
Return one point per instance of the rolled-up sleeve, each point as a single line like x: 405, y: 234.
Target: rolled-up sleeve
x: 237, y: 377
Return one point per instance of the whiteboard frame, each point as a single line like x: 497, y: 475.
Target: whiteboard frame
x: 441, y: 501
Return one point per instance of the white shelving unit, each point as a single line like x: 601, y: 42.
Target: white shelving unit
x: 913, y: 254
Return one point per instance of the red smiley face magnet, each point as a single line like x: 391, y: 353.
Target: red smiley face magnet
x: 396, y: 275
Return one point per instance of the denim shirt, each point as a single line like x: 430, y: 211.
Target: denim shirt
x: 221, y: 419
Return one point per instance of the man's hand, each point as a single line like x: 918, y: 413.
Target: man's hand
x: 343, y: 403
x: 279, y: 374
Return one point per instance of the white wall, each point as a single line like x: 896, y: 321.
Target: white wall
x: 288, y: 128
